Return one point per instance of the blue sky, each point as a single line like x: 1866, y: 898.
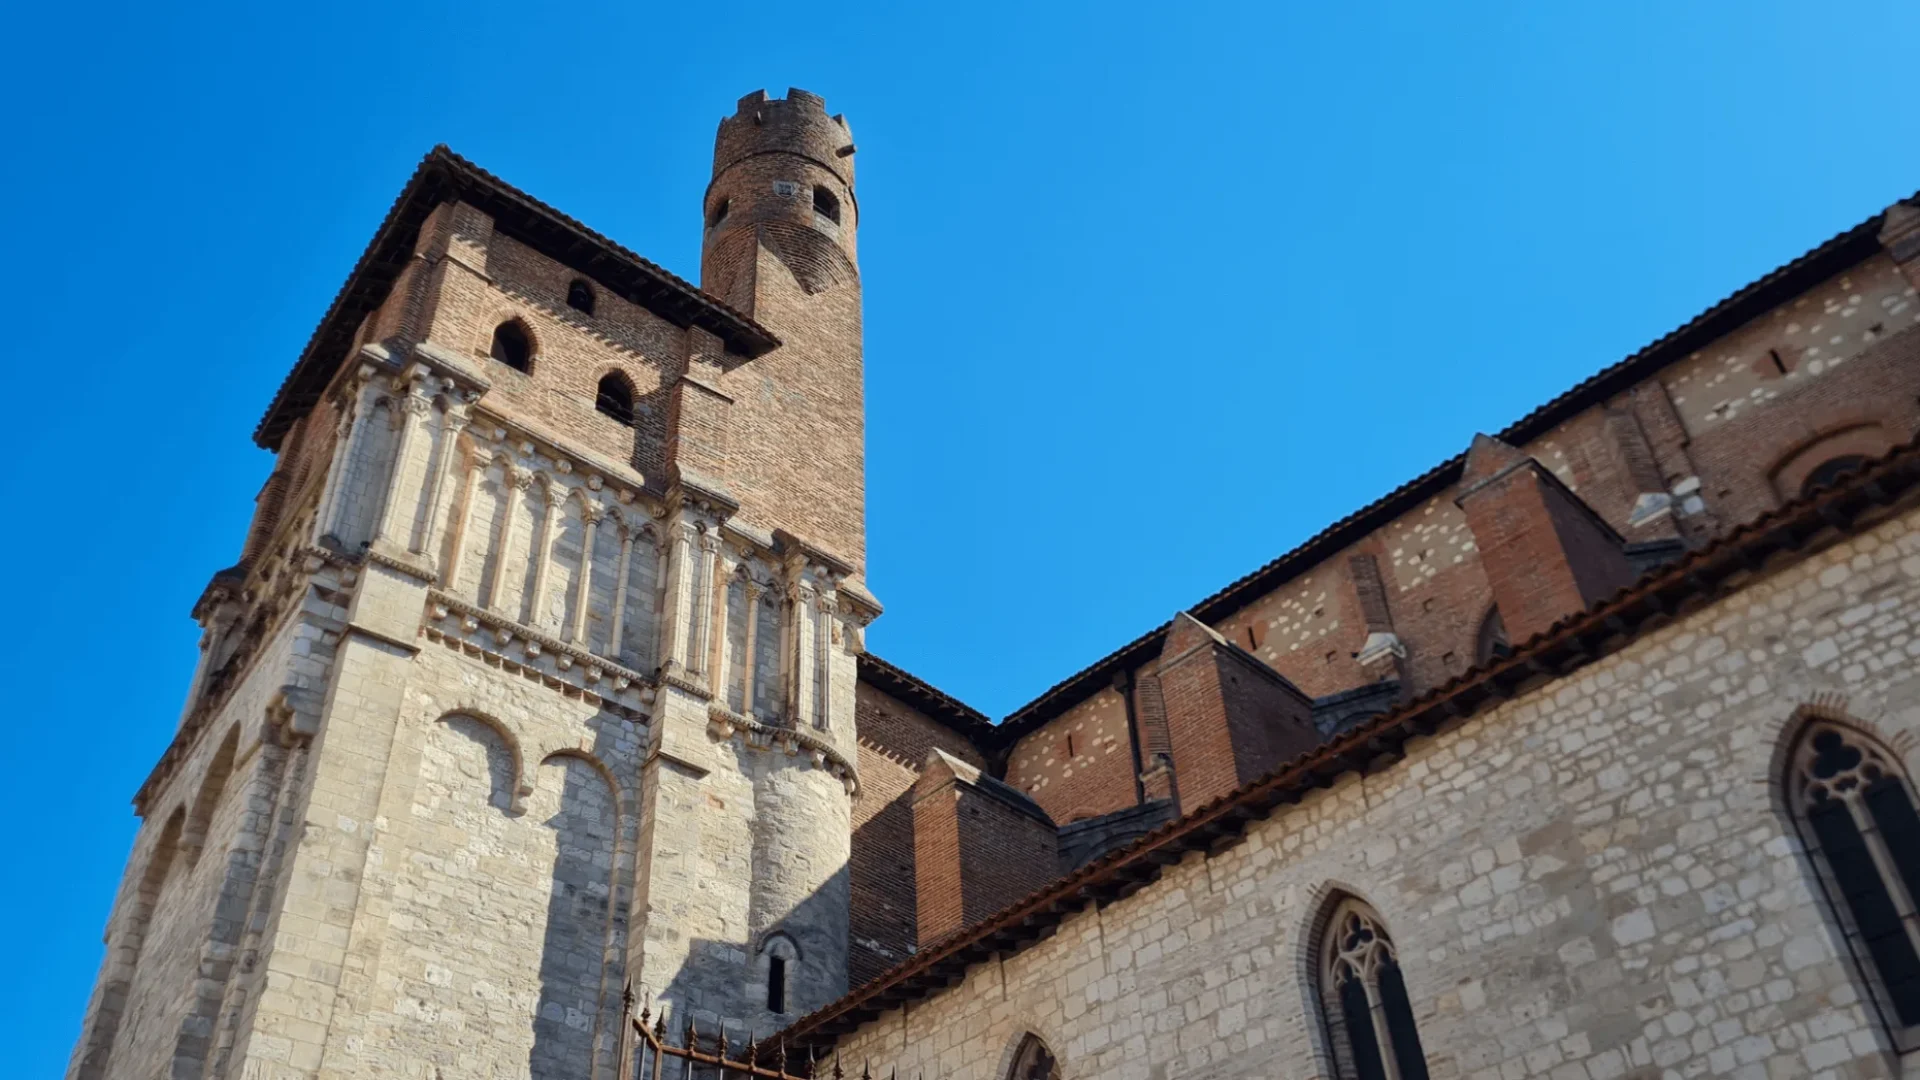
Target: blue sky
x: 1153, y: 291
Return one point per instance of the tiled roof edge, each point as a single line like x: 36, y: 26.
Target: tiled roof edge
x: 1838, y: 254
x: 909, y: 688
x: 443, y: 175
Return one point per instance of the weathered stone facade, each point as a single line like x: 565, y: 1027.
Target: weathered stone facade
x: 1594, y: 880
x: 542, y: 676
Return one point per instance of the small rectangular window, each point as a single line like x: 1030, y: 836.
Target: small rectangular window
x: 776, y: 984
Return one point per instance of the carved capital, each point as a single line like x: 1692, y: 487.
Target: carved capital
x: 520, y: 477
x: 591, y: 512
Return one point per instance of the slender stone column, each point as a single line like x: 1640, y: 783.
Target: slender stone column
x: 589, y: 515
x: 352, y: 439
x: 410, y: 411
x: 463, y: 520
x: 801, y: 672
x: 617, y: 629
x: 553, y: 497
x: 824, y: 608
x: 719, y: 662
x: 452, y: 422
x: 750, y: 661
x: 517, y: 481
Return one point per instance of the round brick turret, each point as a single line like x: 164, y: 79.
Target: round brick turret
x: 782, y: 173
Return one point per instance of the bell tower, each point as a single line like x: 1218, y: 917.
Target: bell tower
x: 780, y: 218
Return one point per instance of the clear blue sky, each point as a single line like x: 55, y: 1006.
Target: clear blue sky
x: 1154, y: 291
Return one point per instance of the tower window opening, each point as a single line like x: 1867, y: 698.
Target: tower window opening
x: 719, y: 213
x: 614, y: 398
x: 580, y: 296
x: 826, y: 204
x: 512, y: 346
x: 776, y: 984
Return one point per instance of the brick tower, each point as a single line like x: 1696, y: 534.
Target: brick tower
x: 536, y: 675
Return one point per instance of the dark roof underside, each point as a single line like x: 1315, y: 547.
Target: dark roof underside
x: 444, y: 176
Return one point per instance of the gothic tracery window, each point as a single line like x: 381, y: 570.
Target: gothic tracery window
x: 1855, y: 810
x: 1033, y: 1061
x: 1363, y: 999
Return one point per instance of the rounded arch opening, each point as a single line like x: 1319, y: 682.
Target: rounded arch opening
x: 580, y: 296
x: 613, y: 398
x: 779, y: 958
x: 1490, y: 641
x: 513, y: 345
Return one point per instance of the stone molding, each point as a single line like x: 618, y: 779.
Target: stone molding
x: 569, y: 668
x: 723, y: 723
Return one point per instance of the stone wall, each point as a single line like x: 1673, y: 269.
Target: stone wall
x: 1593, y: 880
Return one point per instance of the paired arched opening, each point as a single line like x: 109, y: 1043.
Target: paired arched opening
x: 614, y: 398
x: 1853, y: 805
x: 1033, y: 1060
x: 513, y: 346
x: 1363, y: 998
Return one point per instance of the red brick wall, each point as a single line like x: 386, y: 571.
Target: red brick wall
x: 1094, y: 776
x: 894, y: 742
x: 975, y: 852
x: 1229, y: 717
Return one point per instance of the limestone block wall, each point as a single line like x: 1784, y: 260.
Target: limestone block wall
x: 1593, y: 880
x: 181, y: 913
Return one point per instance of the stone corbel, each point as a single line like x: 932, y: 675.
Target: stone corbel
x: 293, y: 716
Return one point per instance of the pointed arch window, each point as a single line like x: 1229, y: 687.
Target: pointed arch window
x: 512, y: 346
x: 1033, y: 1061
x: 1363, y: 999
x: 1854, y: 807
x: 614, y: 398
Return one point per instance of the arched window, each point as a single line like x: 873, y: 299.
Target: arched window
x: 825, y: 203
x: 512, y: 346
x: 718, y: 214
x: 1830, y: 472
x: 615, y: 398
x: 1855, y: 811
x: 1491, y: 644
x: 580, y: 296
x: 1363, y: 999
x: 1033, y: 1061
x: 780, y: 956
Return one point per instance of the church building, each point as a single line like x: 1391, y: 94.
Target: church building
x: 534, y: 733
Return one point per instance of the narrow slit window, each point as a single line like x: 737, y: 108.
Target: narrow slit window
x: 776, y: 984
